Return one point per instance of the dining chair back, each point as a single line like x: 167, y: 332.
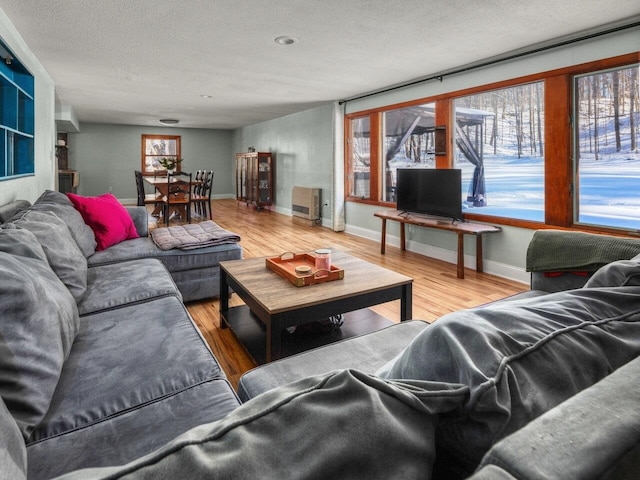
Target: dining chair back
x: 201, y: 198
x: 144, y: 198
x: 197, y: 179
x: 178, y: 195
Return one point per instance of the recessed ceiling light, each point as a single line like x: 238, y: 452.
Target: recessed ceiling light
x: 169, y: 121
x: 286, y: 40
x: 206, y: 96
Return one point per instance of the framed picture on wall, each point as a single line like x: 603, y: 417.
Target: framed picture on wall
x: 155, y: 149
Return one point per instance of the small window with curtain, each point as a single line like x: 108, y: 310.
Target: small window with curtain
x: 499, y: 140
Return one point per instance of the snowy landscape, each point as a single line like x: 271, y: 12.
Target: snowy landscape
x: 608, y: 184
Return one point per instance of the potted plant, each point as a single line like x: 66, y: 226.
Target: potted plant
x: 170, y: 164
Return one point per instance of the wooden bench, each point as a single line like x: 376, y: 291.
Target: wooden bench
x: 460, y: 228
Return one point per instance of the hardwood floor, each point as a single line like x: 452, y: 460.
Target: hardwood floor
x: 436, y: 289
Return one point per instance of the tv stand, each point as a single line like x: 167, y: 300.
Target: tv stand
x: 459, y: 228
x: 441, y: 220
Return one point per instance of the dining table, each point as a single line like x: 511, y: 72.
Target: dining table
x: 161, y: 186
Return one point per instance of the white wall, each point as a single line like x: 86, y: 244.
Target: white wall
x: 30, y: 188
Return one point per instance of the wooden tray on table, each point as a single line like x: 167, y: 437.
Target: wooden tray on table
x: 285, y: 266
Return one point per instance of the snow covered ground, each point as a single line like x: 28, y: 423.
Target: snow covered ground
x: 609, y: 189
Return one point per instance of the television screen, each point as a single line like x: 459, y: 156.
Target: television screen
x: 431, y: 191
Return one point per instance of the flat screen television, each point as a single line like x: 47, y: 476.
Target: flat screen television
x: 430, y: 191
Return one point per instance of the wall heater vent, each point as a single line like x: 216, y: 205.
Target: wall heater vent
x: 305, y: 202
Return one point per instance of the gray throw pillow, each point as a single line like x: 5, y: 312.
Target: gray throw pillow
x: 60, y: 204
x: 38, y: 323
x: 62, y: 251
x: 519, y: 359
x: 616, y: 274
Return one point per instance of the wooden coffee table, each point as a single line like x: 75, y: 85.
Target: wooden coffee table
x: 278, y: 304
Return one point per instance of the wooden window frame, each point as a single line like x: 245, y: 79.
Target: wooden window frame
x: 143, y: 155
x: 559, y: 171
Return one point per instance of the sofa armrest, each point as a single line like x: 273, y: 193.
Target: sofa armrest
x: 562, y: 260
x: 366, y: 353
x: 594, y: 434
x: 140, y: 218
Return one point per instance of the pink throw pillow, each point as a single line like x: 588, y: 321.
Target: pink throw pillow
x: 109, y: 220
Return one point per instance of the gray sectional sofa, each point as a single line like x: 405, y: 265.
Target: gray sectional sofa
x: 116, y: 382
x: 100, y: 362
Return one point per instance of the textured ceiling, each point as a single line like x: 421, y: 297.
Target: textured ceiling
x: 134, y: 62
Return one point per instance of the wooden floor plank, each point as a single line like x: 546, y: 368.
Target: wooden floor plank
x: 436, y: 290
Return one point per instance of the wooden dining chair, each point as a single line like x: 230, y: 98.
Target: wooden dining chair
x: 144, y: 198
x: 197, y: 178
x: 201, y: 198
x: 178, y: 195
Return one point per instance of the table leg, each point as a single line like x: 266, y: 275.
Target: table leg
x: 402, y: 237
x: 479, y: 253
x: 383, y: 240
x: 406, y: 302
x: 224, y: 298
x: 273, y: 340
x: 460, y: 255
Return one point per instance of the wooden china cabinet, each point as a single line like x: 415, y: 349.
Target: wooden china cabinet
x: 254, y: 178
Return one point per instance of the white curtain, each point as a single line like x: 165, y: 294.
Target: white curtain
x: 338, y: 168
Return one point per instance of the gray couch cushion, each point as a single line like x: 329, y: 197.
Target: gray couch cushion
x: 344, y: 424
x: 138, y: 431
x: 198, y: 284
x: 593, y: 435
x: 60, y: 204
x: 39, y: 321
x: 136, y: 377
x: 175, y: 260
x: 366, y: 353
x: 520, y: 359
x: 13, y: 454
x: 63, y: 253
x: 119, y: 284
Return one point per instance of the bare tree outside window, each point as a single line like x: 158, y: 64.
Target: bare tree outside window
x: 607, y: 159
x: 499, y: 138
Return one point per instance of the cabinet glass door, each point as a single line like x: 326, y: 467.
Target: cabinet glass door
x: 264, y: 179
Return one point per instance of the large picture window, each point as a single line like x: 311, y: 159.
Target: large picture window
x: 16, y: 117
x: 557, y: 148
x: 499, y: 139
x: 607, y: 155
